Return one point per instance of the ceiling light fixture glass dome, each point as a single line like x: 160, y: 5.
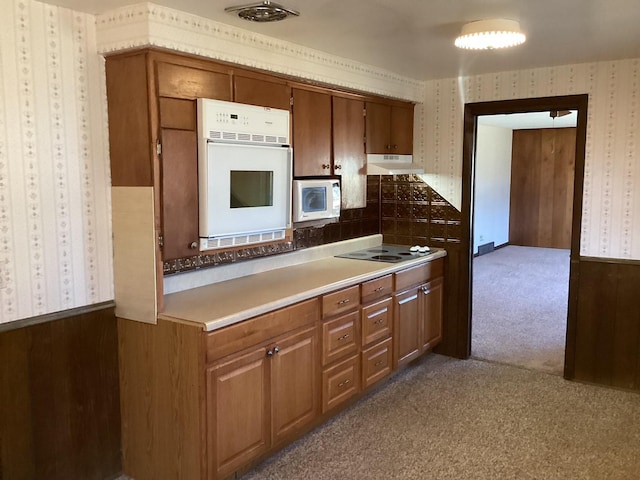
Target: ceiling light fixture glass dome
x: 490, y: 34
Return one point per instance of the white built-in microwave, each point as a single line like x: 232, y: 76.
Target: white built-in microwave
x: 316, y: 199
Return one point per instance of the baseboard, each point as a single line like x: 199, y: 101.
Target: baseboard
x: 488, y: 248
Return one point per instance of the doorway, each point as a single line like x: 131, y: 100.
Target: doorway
x: 472, y: 112
x: 524, y: 175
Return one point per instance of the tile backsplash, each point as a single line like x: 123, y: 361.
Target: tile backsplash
x: 403, y: 208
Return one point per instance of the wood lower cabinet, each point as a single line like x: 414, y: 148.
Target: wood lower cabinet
x: 417, y: 311
x: 294, y: 392
x: 260, y: 398
x: 206, y: 405
x: 408, y: 311
x: 238, y: 411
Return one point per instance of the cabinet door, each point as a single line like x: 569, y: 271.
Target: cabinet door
x: 256, y: 91
x: 311, y: 133
x: 181, y: 81
x: 378, y: 122
x: 294, y: 383
x: 432, y: 295
x: 401, y: 130
x: 238, y: 411
x: 179, y: 193
x: 348, y: 151
x: 407, y: 326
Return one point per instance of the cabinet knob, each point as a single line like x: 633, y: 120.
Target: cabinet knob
x: 338, y: 167
x: 395, y: 147
x: 326, y: 166
x: 343, y: 384
x: 193, y: 245
x: 272, y: 351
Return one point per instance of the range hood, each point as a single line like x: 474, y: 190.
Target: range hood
x: 382, y: 164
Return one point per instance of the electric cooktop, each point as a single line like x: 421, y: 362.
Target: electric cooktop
x: 387, y: 253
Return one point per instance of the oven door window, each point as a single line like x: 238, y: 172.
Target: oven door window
x: 250, y: 188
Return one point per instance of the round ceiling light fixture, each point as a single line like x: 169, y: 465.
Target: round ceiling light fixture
x: 490, y: 34
x: 262, y: 12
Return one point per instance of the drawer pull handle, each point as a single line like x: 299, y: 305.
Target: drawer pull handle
x: 378, y: 363
x: 342, y: 302
x: 343, y: 337
x: 379, y: 289
x: 343, y: 384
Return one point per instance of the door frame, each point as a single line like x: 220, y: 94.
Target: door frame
x: 471, y: 113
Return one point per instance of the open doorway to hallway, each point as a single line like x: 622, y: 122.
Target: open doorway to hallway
x: 522, y: 289
x: 524, y: 175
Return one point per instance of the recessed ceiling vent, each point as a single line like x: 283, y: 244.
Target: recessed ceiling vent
x: 262, y: 12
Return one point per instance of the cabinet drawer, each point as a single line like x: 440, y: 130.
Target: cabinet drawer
x: 376, y: 321
x: 339, y: 337
x: 376, y: 362
x: 250, y: 332
x: 376, y: 288
x: 421, y: 273
x: 340, y: 382
x: 340, y: 301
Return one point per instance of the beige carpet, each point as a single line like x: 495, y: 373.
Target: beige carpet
x: 453, y: 419
x: 519, y: 314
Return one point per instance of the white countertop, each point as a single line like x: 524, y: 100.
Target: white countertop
x: 220, y: 304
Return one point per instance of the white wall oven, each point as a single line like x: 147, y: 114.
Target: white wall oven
x: 244, y: 174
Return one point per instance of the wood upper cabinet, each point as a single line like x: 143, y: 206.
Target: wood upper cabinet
x: 311, y: 133
x: 389, y: 128
x: 348, y: 151
x: 262, y: 92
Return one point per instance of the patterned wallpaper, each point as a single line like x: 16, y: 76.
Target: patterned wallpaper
x: 611, y: 205
x: 55, y: 234
x: 145, y: 24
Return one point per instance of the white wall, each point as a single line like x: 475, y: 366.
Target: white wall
x: 611, y: 204
x: 493, y: 184
x: 55, y: 235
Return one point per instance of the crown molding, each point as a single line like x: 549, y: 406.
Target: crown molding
x: 150, y: 25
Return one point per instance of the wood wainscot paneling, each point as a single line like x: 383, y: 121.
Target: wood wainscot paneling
x: 607, y: 330
x: 59, y: 400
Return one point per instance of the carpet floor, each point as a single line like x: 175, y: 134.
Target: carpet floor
x: 443, y: 418
x: 519, y: 314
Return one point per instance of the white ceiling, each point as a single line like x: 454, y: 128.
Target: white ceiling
x: 521, y: 121
x: 414, y: 38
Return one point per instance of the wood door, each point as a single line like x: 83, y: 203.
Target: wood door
x: 401, y: 135
x: 407, y: 326
x: 238, y: 411
x: 349, y: 158
x: 294, y: 383
x: 311, y: 133
x: 378, y: 127
x: 542, y: 174
x: 256, y: 91
x: 432, y: 297
x: 179, y: 193
x: 181, y: 81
